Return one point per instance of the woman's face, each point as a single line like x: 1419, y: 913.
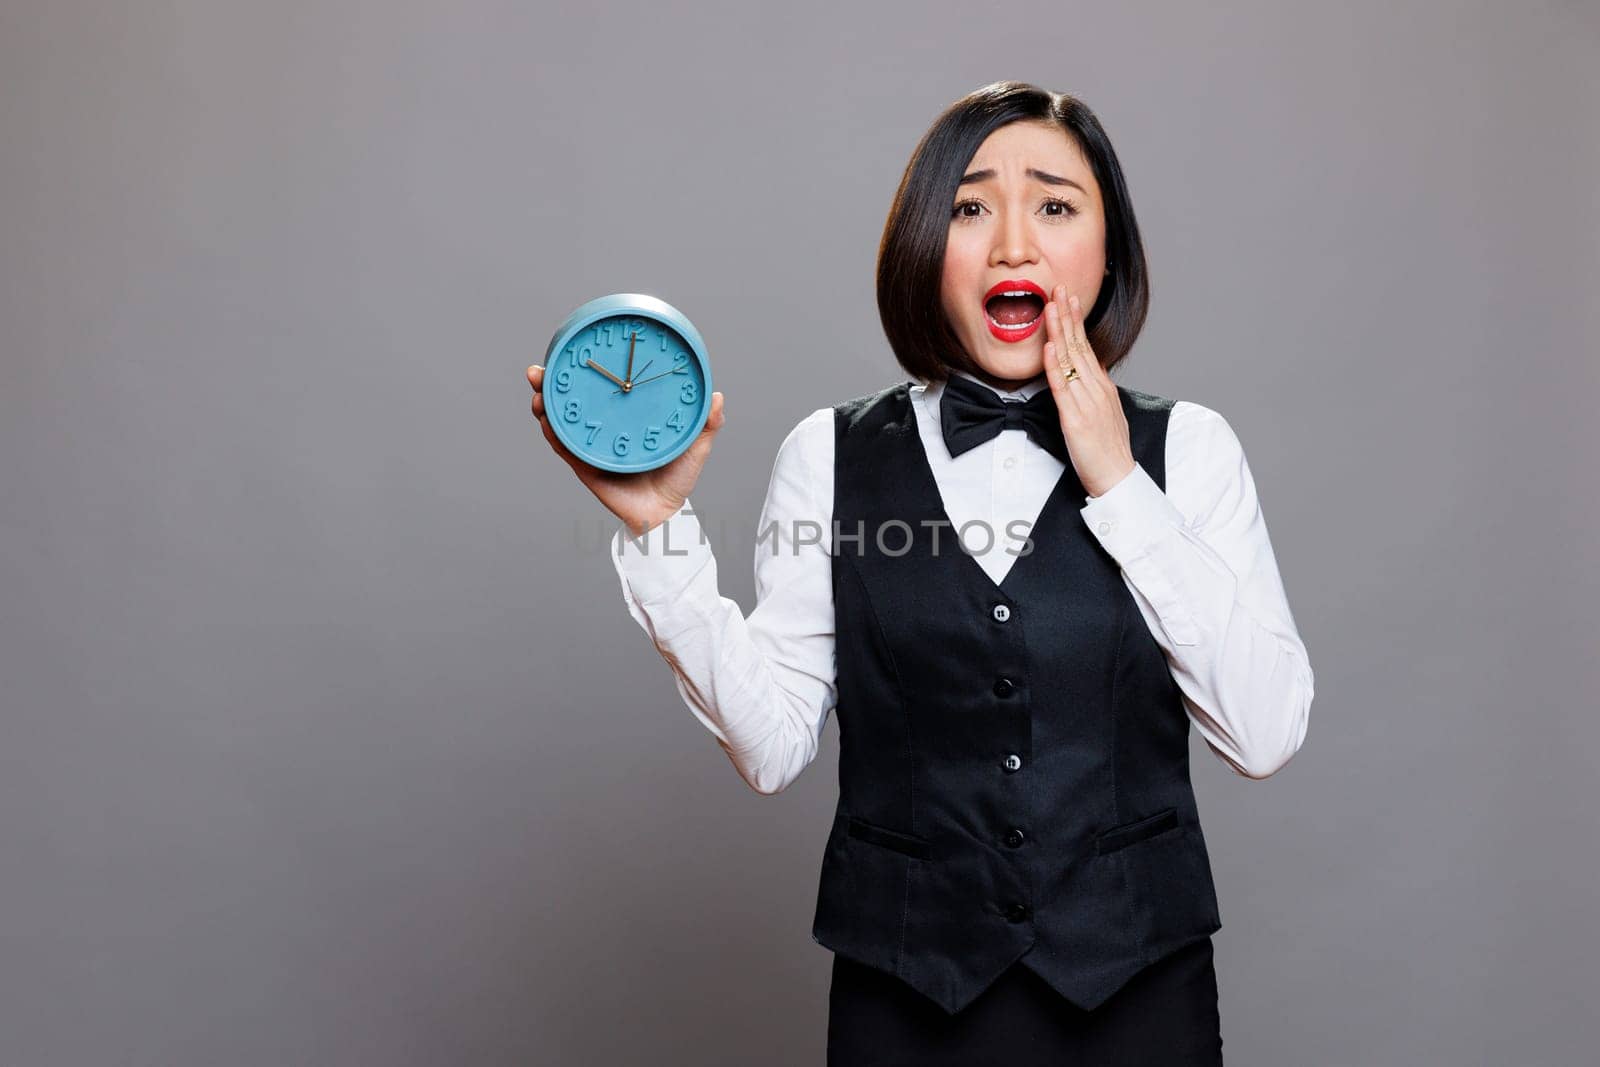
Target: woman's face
x: 1027, y: 211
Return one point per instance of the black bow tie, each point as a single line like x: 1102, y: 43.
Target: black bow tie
x: 971, y: 413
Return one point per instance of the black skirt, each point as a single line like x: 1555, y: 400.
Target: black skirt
x: 1166, y: 1016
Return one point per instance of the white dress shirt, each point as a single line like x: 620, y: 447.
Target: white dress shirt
x: 1196, y: 558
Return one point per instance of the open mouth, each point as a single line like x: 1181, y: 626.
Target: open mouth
x: 1014, y: 309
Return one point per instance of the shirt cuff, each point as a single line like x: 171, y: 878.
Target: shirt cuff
x: 1133, y: 521
x: 660, y: 565
x: 1131, y: 516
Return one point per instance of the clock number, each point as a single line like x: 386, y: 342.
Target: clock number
x: 594, y: 431
x: 680, y: 363
x: 619, y: 444
x: 563, y: 380
x: 688, y: 393
x: 675, y: 420
x: 573, y: 411
x: 652, y: 437
x: 581, y: 357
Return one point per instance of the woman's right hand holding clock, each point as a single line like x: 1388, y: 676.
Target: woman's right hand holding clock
x: 644, y: 499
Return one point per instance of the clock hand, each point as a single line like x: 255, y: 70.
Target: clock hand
x: 628, y: 385
x: 663, y: 374
x: 607, y: 373
x: 633, y: 340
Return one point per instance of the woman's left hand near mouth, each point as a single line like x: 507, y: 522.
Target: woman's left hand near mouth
x: 1091, y: 411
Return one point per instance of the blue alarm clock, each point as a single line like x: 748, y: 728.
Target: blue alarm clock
x: 627, y: 385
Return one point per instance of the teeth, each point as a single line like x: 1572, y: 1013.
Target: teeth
x: 1012, y: 325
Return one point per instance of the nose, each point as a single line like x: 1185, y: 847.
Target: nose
x: 1013, y: 241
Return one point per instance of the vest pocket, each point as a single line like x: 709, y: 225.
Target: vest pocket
x: 1172, y: 898
x: 1130, y: 832
x: 906, y: 844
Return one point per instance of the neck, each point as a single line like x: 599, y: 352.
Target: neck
x: 1006, y: 385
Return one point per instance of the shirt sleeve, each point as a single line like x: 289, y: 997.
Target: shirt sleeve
x: 1201, y: 568
x: 763, y: 685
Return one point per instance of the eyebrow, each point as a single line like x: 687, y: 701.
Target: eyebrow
x: 1037, y: 175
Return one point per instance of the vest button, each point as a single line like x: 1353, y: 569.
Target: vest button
x: 1002, y: 612
x: 1013, y: 761
x: 1013, y: 838
x: 1003, y: 687
x: 1017, y: 912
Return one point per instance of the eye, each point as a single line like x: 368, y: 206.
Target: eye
x: 1052, y: 208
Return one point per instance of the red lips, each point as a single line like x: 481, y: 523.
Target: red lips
x: 1021, y: 331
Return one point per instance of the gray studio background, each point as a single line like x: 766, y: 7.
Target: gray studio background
x: 326, y: 737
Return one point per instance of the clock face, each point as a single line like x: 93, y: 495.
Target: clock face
x: 623, y: 417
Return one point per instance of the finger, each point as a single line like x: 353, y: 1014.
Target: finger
x: 1061, y: 348
x: 1066, y: 341
x: 1079, y: 353
x: 536, y: 379
x: 1075, y: 319
x: 700, y: 447
x: 561, y: 449
x: 1053, y: 373
x: 1058, y: 348
x: 1054, y: 331
x: 713, y: 425
x: 1066, y: 396
x: 1080, y: 342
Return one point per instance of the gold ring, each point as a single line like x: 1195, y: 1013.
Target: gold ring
x: 1069, y: 372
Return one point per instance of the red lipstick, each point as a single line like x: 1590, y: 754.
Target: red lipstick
x: 1013, y: 287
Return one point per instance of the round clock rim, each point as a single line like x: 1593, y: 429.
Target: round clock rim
x: 615, y: 305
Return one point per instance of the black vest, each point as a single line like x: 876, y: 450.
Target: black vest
x: 1013, y: 758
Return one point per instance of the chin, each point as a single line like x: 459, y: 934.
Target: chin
x: 1013, y: 364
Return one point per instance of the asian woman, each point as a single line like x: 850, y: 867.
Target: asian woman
x: 1015, y: 872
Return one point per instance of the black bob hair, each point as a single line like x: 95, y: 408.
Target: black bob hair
x: 911, y: 253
